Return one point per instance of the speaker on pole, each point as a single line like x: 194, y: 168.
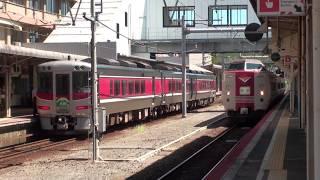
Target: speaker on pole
x: 251, y: 32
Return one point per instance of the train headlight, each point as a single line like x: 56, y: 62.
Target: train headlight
x: 261, y: 93
x: 228, y: 93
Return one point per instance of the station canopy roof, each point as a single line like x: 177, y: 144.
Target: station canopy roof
x: 111, y: 62
x: 30, y: 52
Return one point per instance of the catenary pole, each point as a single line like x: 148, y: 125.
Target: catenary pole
x: 94, y: 81
x: 183, y: 58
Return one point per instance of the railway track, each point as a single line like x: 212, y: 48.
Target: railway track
x: 11, y: 155
x: 197, y: 165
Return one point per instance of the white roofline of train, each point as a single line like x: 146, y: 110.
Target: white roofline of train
x: 247, y: 60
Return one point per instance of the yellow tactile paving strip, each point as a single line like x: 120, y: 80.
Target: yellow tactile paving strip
x: 276, y: 158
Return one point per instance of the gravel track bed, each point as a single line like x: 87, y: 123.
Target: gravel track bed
x: 120, y: 149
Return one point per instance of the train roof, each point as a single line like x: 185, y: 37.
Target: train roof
x: 256, y: 61
x: 63, y: 65
x: 123, y: 63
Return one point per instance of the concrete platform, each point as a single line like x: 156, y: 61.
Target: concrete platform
x: 274, y: 149
x: 17, y: 130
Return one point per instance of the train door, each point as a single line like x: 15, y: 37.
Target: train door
x: 195, y: 87
x: 191, y: 88
x: 163, y: 88
x: 62, y: 93
x: 153, y: 88
x: 2, y: 95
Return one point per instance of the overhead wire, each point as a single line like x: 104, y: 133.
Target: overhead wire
x: 136, y: 42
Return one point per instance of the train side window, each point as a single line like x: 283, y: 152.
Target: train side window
x: 131, y: 87
x: 124, y: 87
x: 177, y: 85
x: 137, y: 86
x: 117, y: 87
x: 188, y: 85
x: 143, y: 87
x: 111, y: 87
x: 173, y: 85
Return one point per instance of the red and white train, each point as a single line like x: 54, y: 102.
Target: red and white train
x: 249, y: 87
x: 127, y: 91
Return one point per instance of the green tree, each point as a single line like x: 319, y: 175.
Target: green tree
x: 215, y: 59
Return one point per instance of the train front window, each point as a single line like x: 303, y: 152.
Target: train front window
x: 80, y: 85
x: 44, y: 90
x: 62, y: 85
x: 252, y: 66
x: 236, y: 66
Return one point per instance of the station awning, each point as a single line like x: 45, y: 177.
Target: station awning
x: 30, y: 52
x: 193, y: 67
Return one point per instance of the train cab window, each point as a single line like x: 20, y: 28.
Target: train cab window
x: 124, y: 87
x: 131, y: 87
x: 62, y: 85
x: 117, y: 87
x: 80, y: 85
x: 253, y: 66
x: 236, y: 66
x: 45, y: 82
x: 137, y: 86
x: 143, y: 87
x: 111, y: 88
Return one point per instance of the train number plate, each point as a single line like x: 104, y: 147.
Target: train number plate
x: 245, y: 90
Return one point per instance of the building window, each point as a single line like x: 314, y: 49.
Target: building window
x: 172, y: 16
x: 33, y: 36
x: 16, y: 37
x: 17, y: 1
x: 234, y: 15
x: 64, y: 7
x: 34, y: 4
x: 238, y: 15
x: 51, y: 6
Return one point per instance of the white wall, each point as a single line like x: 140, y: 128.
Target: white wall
x: 113, y: 12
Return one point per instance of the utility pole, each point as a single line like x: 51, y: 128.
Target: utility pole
x: 183, y: 58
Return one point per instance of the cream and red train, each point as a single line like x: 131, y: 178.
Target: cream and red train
x: 128, y: 91
x: 249, y: 87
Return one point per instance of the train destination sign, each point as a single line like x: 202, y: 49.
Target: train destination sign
x: 281, y: 7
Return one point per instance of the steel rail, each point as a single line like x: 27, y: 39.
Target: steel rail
x: 197, y: 153
x: 32, y: 147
